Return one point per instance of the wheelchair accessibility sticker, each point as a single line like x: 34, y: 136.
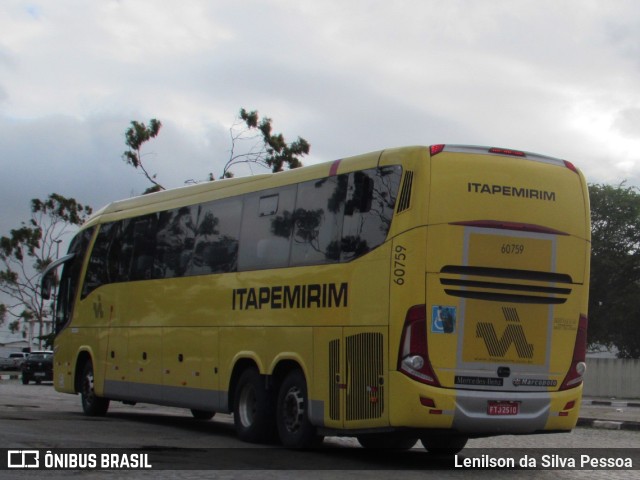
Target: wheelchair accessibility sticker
x: 443, y: 319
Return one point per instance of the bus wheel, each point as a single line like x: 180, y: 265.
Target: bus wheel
x: 253, y: 409
x: 92, y: 405
x: 292, y: 417
x: 202, y: 414
x: 444, y: 445
x: 387, y: 440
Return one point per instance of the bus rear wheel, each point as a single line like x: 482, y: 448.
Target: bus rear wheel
x: 292, y: 417
x: 444, y: 445
x: 92, y: 404
x: 253, y: 411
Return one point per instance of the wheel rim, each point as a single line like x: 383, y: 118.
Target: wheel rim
x: 247, y: 406
x: 88, y: 387
x: 293, y: 411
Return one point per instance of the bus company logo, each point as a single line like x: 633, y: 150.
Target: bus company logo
x: 23, y: 459
x: 98, y: 312
x: 513, y: 334
x: 316, y: 295
x: 534, y: 382
x: 511, y: 191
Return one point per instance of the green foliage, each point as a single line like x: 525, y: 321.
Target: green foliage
x: 27, y: 251
x: 272, y: 150
x: 614, y: 293
x: 266, y: 148
x: 135, y: 136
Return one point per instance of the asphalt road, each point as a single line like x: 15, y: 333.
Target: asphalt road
x: 35, y: 416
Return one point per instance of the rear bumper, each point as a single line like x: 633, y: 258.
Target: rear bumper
x: 466, y: 411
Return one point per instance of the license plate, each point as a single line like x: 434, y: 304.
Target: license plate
x: 503, y: 408
x: 39, y: 374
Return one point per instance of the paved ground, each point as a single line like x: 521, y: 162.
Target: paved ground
x: 614, y: 413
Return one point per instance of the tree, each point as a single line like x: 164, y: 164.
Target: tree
x: 614, y: 292
x: 271, y: 151
x: 27, y: 251
x: 266, y: 149
x: 135, y: 137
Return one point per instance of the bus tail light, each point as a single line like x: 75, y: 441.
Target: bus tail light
x: 413, y: 359
x: 507, y: 151
x: 436, y: 149
x: 570, y: 166
x: 578, y: 364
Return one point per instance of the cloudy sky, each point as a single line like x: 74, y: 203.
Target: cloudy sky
x: 560, y: 78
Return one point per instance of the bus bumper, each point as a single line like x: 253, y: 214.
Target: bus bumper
x: 414, y: 405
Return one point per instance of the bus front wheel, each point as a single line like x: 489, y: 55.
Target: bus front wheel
x: 92, y: 404
x: 292, y: 417
x: 253, y: 409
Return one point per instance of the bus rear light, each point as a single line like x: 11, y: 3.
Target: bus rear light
x: 413, y: 359
x: 507, y: 151
x: 578, y: 365
x: 436, y: 149
x: 570, y: 166
x: 427, y: 402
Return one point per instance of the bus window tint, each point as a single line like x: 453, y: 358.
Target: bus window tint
x: 325, y: 220
x: 175, y: 240
x: 267, y: 221
x: 216, y: 242
x: 97, y: 271
x: 70, y: 278
x: 317, y: 221
x: 143, y: 246
x: 371, y: 198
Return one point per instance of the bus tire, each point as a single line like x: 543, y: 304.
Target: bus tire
x: 92, y: 405
x: 253, y: 409
x: 202, y: 414
x: 444, y: 445
x: 387, y: 441
x: 292, y: 416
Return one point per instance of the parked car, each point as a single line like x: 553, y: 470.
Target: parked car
x: 13, y: 361
x: 38, y: 367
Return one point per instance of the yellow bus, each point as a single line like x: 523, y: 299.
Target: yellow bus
x: 434, y: 293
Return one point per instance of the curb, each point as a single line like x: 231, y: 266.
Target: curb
x: 608, y: 424
x: 12, y: 376
x: 612, y: 403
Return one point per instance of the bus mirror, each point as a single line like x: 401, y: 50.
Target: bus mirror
x: 49, y: 278
x: 46, y: 285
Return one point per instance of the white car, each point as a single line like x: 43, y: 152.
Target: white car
x: 14, y: 361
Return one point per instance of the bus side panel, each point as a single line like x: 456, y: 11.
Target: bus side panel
x: 325, y: 391
x: 145, y: 362
x: 264, y: 345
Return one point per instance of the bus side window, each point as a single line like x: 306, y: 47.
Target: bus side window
x: 267, y: 221
x: 317, y: 221
x: 144, y: 230
x: 217, y: 232
x: 175, y: 241
x: 97, y: 269
x: 70, y: 279
x: 371, y: 198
